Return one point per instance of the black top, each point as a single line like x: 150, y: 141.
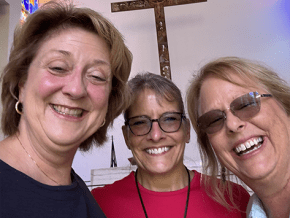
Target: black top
x: 22, y: 196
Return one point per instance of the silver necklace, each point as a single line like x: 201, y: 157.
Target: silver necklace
x: 35, y: 162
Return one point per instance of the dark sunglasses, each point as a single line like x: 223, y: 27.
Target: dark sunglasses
x: 244, y: 107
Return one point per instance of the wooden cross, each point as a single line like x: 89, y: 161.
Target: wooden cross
x: 158, y: 6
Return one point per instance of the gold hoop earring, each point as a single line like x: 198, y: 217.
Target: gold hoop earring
x: 103, y: 123
x: 17, y: 107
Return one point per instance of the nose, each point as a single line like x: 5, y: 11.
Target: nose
x: 75, y: 85
x: 156, y: 132
x: 234, y: 123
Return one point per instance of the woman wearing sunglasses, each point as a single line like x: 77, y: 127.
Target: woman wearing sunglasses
x: 156, y: 131
x: 240, y: 112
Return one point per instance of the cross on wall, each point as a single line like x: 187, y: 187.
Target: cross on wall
x: 158, y: 6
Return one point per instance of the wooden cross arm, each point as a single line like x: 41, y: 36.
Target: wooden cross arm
x: 130, y: 5
x: 181, y: 2
x: 145, y: 4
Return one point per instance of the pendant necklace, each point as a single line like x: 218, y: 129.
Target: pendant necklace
x: 187, y: 199
x: 35, y: 162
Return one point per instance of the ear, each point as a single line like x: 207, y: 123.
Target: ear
x: 126, y: 136
x: 187, y: 126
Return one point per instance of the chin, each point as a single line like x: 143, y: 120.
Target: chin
x: 257, y: 173
x: 160, y: 170
x: 65, y: 141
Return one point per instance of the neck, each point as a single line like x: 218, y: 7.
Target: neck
x: 43, y: 162
x: 277, y: 205
x: 275, y: 195
x: 170, y: 181
x: 187, y: 196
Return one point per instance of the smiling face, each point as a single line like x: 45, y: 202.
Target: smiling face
x: 66, y: 94
x: 264, y: 137
x: 157, y: 152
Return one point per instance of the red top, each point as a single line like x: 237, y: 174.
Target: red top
x: 121, y: 199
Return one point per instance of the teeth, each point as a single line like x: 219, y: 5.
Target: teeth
x: 255, y: 148
x: 67, y: 111
x: 249, y: 146
x: 243, y: 147
x: 157, y: 150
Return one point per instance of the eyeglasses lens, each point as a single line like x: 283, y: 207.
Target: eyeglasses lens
x: 243, y: 107
x: 170, y: 122
x: 246, y: 106
x: 212, y: 121
x: 139, y: 125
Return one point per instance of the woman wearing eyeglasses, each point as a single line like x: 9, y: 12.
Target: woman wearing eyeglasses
x: 240, y: 112
x: 156, y: 131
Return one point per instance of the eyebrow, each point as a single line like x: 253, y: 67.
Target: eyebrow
x: 66, y: 53
x: 101, y: 62
x: 95, y: 61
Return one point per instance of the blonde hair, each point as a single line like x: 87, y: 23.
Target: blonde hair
x: 222, y: 68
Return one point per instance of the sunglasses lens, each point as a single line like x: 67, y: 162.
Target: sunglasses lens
x: 211, y: 121
x: 246, y: 106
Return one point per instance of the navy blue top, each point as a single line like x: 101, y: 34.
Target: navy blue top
x: 22, y: 196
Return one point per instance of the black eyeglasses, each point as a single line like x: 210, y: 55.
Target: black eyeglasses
x: 168, y: 122
x: 244, y: 107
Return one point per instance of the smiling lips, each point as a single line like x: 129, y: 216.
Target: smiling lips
x: 249, y: 146
x: 68, y: 111
x: 157, y: 150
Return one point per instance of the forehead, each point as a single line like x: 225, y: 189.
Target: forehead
x: 73, y: 43
x: 73, y: 34
x: 148, y: 99
x: 245, y: 81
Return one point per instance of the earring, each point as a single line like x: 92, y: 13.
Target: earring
x: 17, y: 105
x: 223, y: 174
x: 103, y: 123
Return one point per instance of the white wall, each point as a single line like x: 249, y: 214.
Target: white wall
x: 4, y: 22
x: 9, y: 16
x: 14, y: 17
x: 197, y: 33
